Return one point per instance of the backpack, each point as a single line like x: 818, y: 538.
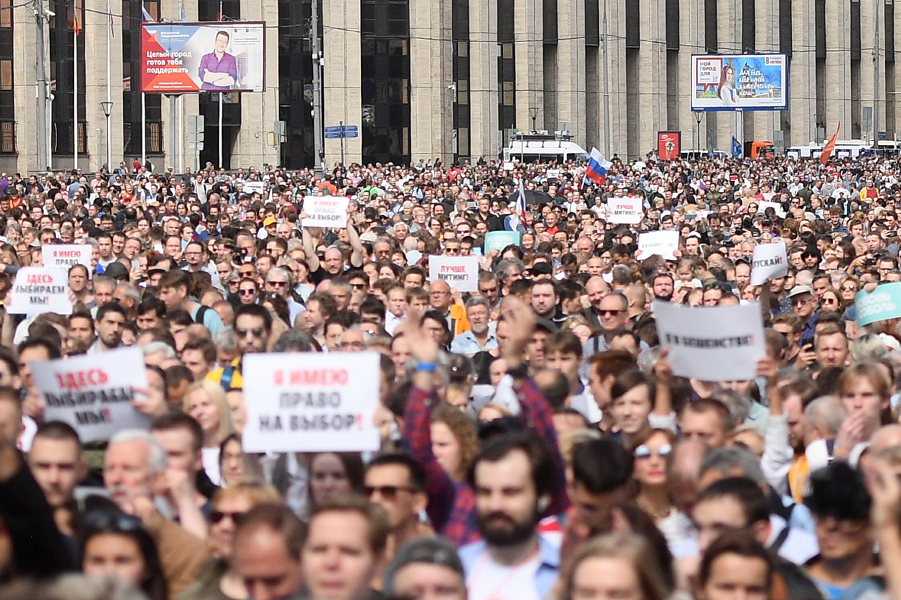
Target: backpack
x: 201, y: 313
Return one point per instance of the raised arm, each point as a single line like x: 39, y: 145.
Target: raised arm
x: 356, y: 257
x: 308, y: 249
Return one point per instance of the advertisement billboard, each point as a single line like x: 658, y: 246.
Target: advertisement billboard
x: 178, y: 58
x: 739, y: 82
x: 669, y: 144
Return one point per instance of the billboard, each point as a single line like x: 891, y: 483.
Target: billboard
x: 178, y: 58
x: 739, y: 82
x: 669, y: 144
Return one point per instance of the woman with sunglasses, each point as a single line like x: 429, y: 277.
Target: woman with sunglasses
x: 831, y: 302
x: 217, y: 580
x: 848, y: 290
x: 113, y: 544
x: 650, y: 451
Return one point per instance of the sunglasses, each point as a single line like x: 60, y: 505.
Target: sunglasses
x: 644, y: 451
x: 358, y: 286
x: 610, y: 313
x: 257, y: 332
x: 388, y: 492
x: 278, y: 283
x: 236, y: 517
x: 106, y: 520
x: 848, y: 288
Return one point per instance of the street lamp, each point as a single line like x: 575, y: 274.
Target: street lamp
x: 533, y: 112
x: 107, y: 110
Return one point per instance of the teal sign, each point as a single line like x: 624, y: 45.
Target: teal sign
x: 881, y: 304
x: 500, y: 240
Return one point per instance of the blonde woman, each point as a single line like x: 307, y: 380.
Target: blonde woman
x: 205, y: 402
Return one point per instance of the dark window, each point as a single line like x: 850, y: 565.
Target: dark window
x: 855, y: 30
x: 592, y: 23
x: 785, y: 27
x: 711, y: 42
x: 7, y: 80
x: 672, y: 25
x: 633, y: 24
x: 549, y: 21
x: 889, y: 32
x: 506, y: 64
x: 748, y: 29
x: 460, y: 35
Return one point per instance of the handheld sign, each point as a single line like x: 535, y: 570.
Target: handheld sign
x: 66, y: 256
x: 460, y: 272
x: 881, y: 304
x: 309, y: 402
x: 663, y: 243
x: 258, y: 187
x: 769, y: 261
x: 763, y: 205
x: 93, y: 393
x: 40, y: 290
x: 325, y: 211
x: 720, y: 343
x: 500, y: 240
x: 624, y: 210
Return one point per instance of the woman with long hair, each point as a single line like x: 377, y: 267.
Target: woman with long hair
x: 205, y: 402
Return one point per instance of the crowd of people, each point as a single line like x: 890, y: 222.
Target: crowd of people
x: 536, y: 443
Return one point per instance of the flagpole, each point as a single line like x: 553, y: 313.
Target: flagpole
x: 221, y: 162
x: 109, y: 135
x: 143, y: 130
x: 75, y: 87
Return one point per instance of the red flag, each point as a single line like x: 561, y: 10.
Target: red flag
x: 830, y: 145
x: 75, y: 16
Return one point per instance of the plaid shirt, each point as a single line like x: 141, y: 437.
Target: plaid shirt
x: 452, y: 504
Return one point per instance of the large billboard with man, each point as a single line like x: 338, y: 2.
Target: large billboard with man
x: 203, y: 57
x: 739, y: 82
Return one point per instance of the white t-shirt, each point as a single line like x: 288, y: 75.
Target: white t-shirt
x: 492, y: 581
x: 210, y: 459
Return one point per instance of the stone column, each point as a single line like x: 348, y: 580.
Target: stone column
x: 691, y: 38
x: 528, y: 32
x: 838, y: 67
x: 484, y: 95
x: 761, y: 124
x: 25, y: 92
x: 570, y: 87
x: 652, y: 92
x: 802, y: 77
x: 431, y: 75
x: 872, y: 64
x: 342, y: 80
x: 616, y: 68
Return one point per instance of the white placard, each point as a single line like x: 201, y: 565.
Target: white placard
x: 40, y: 290
x: 720, y: 343
x: 255, y: 186
x: 663, y: 243
x: 66, y: 256
x: 93, y: 393
x: 769, y: 261
x: 311, y: 402
x: 625, y: 210
x: 460, y: 272
x: 325, y: 211
x: 509, y: 166
x: 763, y: 205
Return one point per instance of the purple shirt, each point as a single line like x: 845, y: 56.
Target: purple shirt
x: 226, y: 64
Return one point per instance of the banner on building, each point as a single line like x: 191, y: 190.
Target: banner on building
x: 739, y: 82
x: 719, y: 343
x: 669, y: 144
x: 178, y: 58
x: 309, y: 402
x: 94, y: 392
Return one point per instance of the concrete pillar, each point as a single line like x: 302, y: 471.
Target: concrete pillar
x: 431, y: 74
x: 838, y: 67
x: 691, y: 38
x: 616, y: 67
x: 652, y: 68
x: 802, y: 77
x: 528, y: 31
x: 760, y: 125
x: 570, y: 87
x: 872, y: 63
x: 25, y: 91
x: 484, y: 95
x: 342, y: 80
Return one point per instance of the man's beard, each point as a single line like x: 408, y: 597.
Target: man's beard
x: 509, y: 532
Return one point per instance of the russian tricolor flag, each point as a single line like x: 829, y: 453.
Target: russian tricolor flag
x: 597, y: 166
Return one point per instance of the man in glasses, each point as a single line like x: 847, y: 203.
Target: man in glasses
x: 396, y: 482
x: 804, y: 305
x: 253, y: 326
x: 280, y: 282
x: 613, y: 313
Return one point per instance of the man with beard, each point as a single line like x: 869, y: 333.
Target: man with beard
x: 109, y: 324
x: 663, y: 287
x: 512, y: 478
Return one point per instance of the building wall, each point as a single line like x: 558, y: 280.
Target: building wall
x: 618, y: 67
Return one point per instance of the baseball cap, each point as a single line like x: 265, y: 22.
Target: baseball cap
x: 115, y: 270
x: 547, y: 325
x: 269, y: 221
x: 429, y: 551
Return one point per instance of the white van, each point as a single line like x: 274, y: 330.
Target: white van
x: 542, y: 147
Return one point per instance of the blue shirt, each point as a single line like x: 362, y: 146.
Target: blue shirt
x: 466, y: 342
x: 548, y: 566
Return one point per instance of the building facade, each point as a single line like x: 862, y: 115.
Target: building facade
x: 448, y: 79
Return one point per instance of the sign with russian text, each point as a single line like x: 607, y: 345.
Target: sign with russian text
x: 94, y: 392
x: 739, y: 82
x: 203, y: 57
x: 325, y: 211
x: 626, y: 210
x: 311, y: 402
x: 460, y: 272
x: 768, y: 262
x: 881, y: 304
x: 719, y: 343
x: 67, y: 256
x: 500, y: 240
x: 663, y: 243
x: 40, y: 290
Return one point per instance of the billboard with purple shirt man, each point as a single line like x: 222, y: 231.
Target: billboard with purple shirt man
x: 218, y: 70
x: 176, y: 57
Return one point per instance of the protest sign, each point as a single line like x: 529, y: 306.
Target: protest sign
x: 40, y: 290
x: 258, y: 187
x: 624, y: 210
x: 769, y: 261
x: 460, y: 272
x: 325, y: 211
x: 93, y: 392
x: 663, y: 243
x: 66, y: 256
x: 500, y: 240
x: 309, y: 402
x: 763, y: 205
x: 881, y: 304
x: 720, y: 343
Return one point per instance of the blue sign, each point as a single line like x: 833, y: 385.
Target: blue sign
x: 882, y: 304
x: 351, y: 134
x: 332, y: 135
x: 350, y: 129
x: 333, y: 129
